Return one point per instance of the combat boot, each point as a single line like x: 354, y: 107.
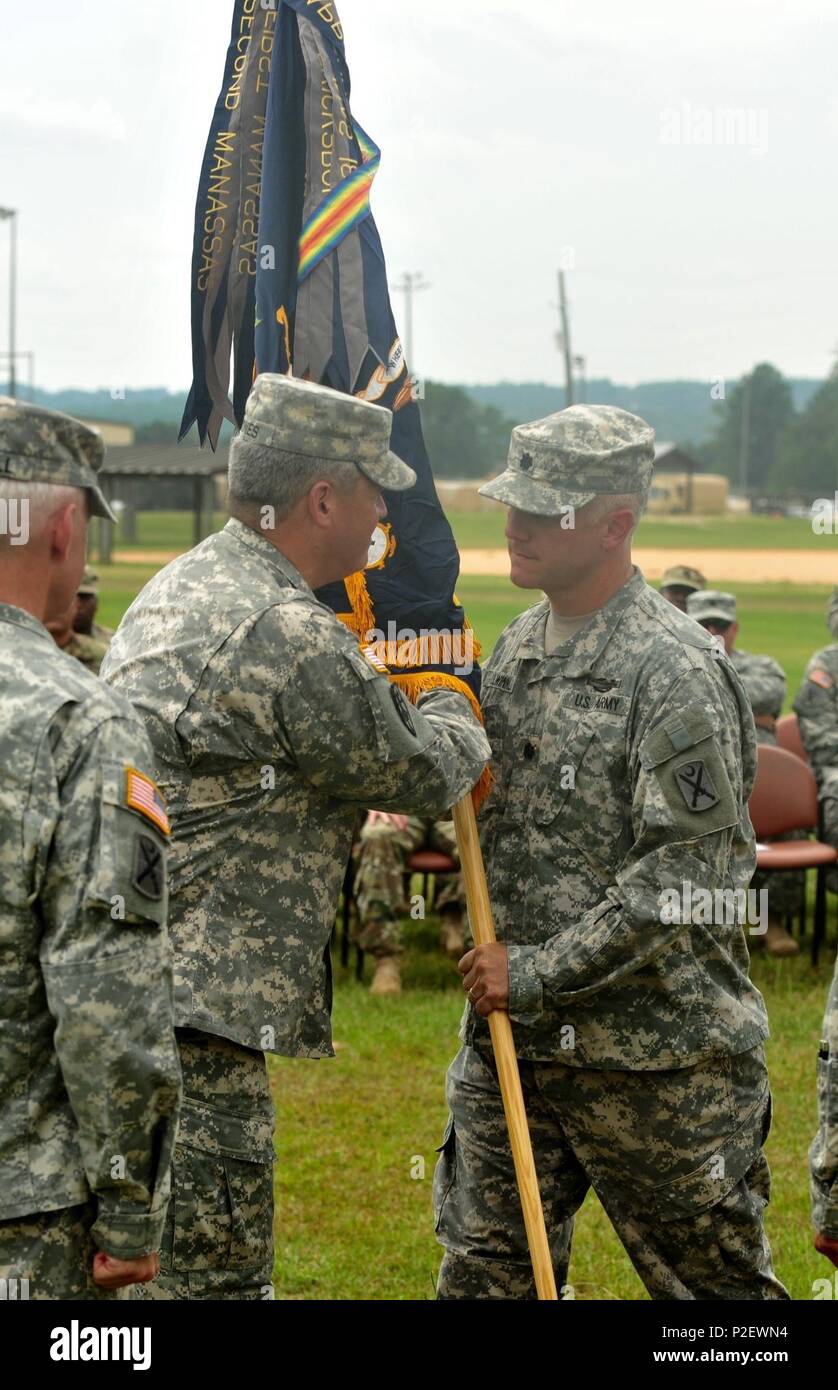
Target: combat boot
x: 388, y: 976
x: 777, y: 940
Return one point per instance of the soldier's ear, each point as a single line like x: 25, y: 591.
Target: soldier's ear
x: 61, y: 529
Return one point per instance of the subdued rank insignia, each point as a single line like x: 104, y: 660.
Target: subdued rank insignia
x: 402, y: 709
x: 149, y: 876
x: 696, y: 786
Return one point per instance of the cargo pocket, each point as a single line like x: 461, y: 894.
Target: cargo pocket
x: 222, y: 1191
x: 445, y: 1172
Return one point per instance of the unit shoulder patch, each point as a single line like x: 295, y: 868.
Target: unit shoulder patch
x: 696, y: 785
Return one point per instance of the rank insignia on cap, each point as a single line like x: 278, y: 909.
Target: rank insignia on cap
x: 821, y: 678
x: 696, y: 786
x: 148, y: 877
x: 142, y: 795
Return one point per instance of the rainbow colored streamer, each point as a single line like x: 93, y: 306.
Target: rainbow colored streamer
x: 346, y: 206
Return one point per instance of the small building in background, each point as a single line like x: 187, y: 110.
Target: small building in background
x: 113, y: 432
x: 680, y: 488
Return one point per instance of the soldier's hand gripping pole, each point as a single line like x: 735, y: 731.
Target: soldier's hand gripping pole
x: 483, y: 931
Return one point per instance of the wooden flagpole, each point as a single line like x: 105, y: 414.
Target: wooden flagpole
x: 483, y: 931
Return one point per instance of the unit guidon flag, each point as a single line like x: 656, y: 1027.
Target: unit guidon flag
x: 317, y: 279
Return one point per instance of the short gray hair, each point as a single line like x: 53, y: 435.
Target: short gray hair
x: 259, y: 476
x: 606, y: 502
x: 42, y: 501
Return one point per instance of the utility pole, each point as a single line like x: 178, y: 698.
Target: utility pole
x: 564, y: 342
x: 581, y: 366
x: 10, y: 215
x: 410, y: 282
x: 745, y: 435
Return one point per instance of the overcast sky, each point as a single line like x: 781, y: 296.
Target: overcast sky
x: 509, y: 131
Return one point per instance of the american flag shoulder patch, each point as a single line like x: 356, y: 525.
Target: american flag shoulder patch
x: 821, y: 678
x: 142, y: 795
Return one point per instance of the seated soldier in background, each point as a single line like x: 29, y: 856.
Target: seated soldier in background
x: 816, y: 707
x: 86, y: 607
x: 90, y: 651
x: 765, y: 683
x: 678, y: 582
x: 384, y: 846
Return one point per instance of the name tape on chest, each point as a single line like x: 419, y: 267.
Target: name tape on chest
x: 143, y: 795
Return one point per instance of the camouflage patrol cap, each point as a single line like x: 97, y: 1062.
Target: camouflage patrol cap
x: 571, y: 457
x: 711, y: 605
x: 683, y: 577
x: 89, y: 582
x: 38, y: 445
x: 301, y: 417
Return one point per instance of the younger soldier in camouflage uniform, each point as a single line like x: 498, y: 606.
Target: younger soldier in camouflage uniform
x: 623, y: 755
x: 385, y: 843
x: 765, y: 685
x: 679, y: 582
x: 270, y: 729
x: 89, y: 1076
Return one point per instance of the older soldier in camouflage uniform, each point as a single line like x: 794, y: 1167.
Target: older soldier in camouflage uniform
x: 623, y: 753
x: 679, y: 582
x: 765, y: 685
x: 270, y: 729
x: 384, y: 845
x: 89, y: 1076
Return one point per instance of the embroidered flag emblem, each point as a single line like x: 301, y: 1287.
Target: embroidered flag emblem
x: 821, y: 678
x: 142, y: 795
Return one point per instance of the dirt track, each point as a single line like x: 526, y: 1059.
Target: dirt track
x: 746, y: 566
x: 752, y: 566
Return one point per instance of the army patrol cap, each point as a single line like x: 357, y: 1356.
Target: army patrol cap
x: 711, y: 605
x: 38, y: 445
x: 284, y: 412
x: 569, y: 458
x: 683, y: 577
x: 89, y: 582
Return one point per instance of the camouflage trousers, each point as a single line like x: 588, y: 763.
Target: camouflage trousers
x: 380, y: 859
x: 675, y: 1157
x: 218, y: 1238
x: 53, y: 1251
x: 784, y: 890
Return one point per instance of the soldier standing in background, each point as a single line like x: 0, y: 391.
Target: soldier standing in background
x: 87, y: 607
x: 89, y: 1075
x: 765, y: 684
x: 623, y: 755
x: 270, y: 730
x: 678, y: 582
x: 83, y: 648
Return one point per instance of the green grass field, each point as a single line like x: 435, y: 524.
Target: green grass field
x: 484, y: 531
x: 351, y: 1221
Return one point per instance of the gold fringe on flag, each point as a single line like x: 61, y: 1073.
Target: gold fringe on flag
x: 415, y: 683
